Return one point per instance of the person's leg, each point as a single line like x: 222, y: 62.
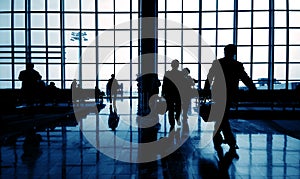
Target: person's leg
x: 170, y: 106
x: 178, y: 111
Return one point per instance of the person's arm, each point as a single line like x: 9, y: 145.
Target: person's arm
x: 247, y: 80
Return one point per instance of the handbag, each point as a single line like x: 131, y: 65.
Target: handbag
x: 204, y: 110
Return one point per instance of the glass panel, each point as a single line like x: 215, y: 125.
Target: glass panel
x: 174, y: 37
x: 294, y: 4
x: 54, y: 37
x: 122, y: 21
x: 88, y: 21
x: 174, y: 5
x: 88, y: 5
x: 294, y: 53
x: 37, y: 5
x: 106, y: 55
x: 122, y: 5
x: 41, y: 69
x: 106, y: 38
x: 260, y: 54
x: 88, y: 71
x: 89, y: 55
x: 225, y: 20
x: 294, y: 73
x: 294, y: 18
x: 122, y: 55
x: 122, y: 72
x: 280, y: 36
x: 38, y: 37
x: 161, y: 5
x: 226, y: 5
x: 71, y: 5
x: 71, y: 72
x: 191, y: 37
x: 19, y: 37
x: 38, y: 20
x: 71, y: 55
x: 208, y: 5
x: 260, y: 4
x: 161, y: 37
x: 173, y: 20
x: 294, y: 36
x: 72, y: 21
x: 208, y: 20
x: 280, y: 19
x: 209, y: 37
x: 88, y: 38
x: 134, y: 54
x: 260, y: 19
x: 19, y: 5
x: 54, y: 72
x: 279, y: 4
x: 106, y: 5
x: 225, y: 37
x: 243, y: 54
x: 105, y: 71
x: 5, y: 84
x: 53, y: 5
x: 5, y: 5
x: 5, y: 37
x: 135, y: 5
x: 5, y: 20
x: 190, y: 55
x: 280, y: 53
x: 105, y: 21
x: 260, y: 37
x: 244, y: 19
x: 174, y: 53
x: 260, y: 71
x: 19, y: 20
x: 280, y: 72
x: 244, y: 37
x: 53, y: 20
x: 190, y: 5
x: 5, y: 72
x: 191, y: 20
x: 244, y: 4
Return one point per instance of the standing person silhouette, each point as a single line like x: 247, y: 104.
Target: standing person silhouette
x: 233, y: 71
x: 112, y: 87
x: 188, y: 92
x: 30, y: 83
x: 172, y: 83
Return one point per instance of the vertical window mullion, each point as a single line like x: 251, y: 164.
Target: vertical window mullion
x: 251, y: 39
x: 287, y: 45
x: 63, y: 46
x: 46, y: 43
x: 12, y: 46
x: 271, y: 46
x: 217, y: 30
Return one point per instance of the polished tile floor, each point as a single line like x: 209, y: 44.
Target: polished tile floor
x: 92, y: 150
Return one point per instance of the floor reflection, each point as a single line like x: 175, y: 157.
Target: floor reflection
x: 185, y: 152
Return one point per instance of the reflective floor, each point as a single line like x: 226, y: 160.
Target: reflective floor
x: 93, y: 150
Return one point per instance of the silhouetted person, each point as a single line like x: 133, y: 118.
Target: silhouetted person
x: 187, y: 92
x: 51, y: 92
x: 30, y: 83
x: 172, y: 83
x: 112, y: 87
x: 233, y: 72
x: 113, y: 118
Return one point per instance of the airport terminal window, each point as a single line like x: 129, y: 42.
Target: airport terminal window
x: 57, y: 36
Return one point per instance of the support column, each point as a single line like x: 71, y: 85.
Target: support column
x: 148, y: 83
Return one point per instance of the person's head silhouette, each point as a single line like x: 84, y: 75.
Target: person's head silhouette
x: 230, y: 50
x: 29, y: 66
x: 112, y: 76
x: 175, y: 64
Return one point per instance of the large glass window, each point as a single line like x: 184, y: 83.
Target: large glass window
x: 89, y: 39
